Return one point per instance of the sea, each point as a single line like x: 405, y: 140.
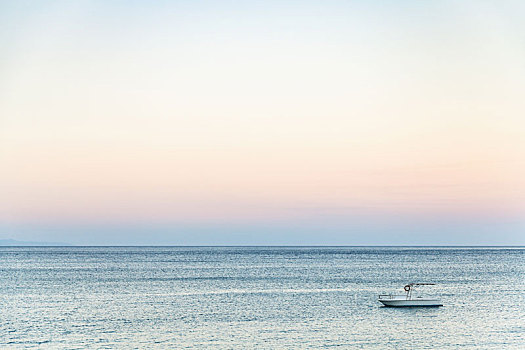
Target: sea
x: 259, y: 298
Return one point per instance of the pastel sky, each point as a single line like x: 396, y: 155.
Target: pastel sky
x: 263, y: 122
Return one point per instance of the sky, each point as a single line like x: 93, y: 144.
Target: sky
x: 263, y: 122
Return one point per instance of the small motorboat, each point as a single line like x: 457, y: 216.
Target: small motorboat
x: 408, y: 300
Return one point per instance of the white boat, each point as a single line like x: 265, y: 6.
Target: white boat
x: 408, y: 300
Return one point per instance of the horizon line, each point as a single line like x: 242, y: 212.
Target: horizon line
x: 258, y: 246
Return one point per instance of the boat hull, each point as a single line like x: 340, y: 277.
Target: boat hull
x: 411, y: 302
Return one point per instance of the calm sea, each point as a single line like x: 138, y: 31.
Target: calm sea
x: 258, y: 297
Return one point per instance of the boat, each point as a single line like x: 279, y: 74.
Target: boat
x: 407, y: 300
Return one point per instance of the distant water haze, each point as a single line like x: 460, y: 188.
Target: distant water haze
x: 313, y: 123
x: 15, y: 243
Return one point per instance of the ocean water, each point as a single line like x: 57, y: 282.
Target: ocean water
x: 258, y: 298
